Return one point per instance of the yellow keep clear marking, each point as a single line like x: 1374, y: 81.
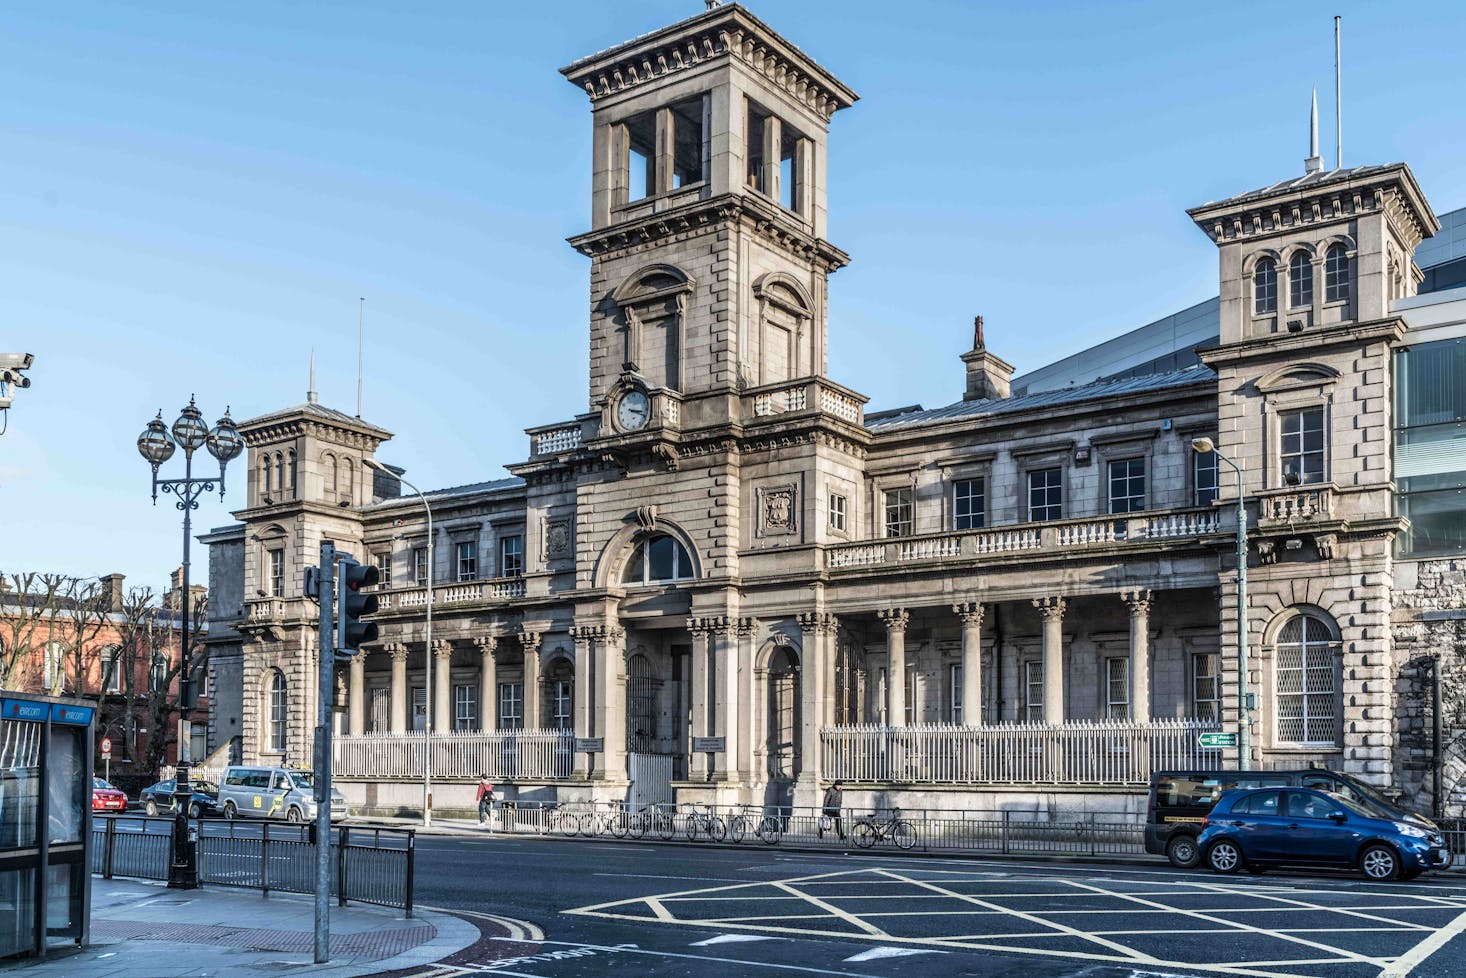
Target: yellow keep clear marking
x: 257, y: 802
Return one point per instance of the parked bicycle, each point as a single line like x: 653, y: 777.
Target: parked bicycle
x: 870, y: 829
x: 705, y: 821
x: 749, y: 821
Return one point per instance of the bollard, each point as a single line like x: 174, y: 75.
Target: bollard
x: 109, y: 848
x: 411, y: 842
x: 343, y: 839
x: 1006, y: 817
x: 265, y: 858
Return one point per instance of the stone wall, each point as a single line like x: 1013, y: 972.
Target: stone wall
x: 1430, y: 620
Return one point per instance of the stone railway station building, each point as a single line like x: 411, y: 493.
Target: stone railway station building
x: 727, y: 581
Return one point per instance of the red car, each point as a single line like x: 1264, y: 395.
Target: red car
x: 106, y: 798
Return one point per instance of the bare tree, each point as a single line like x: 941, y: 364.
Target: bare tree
x: 77, y: 616
x: 27, y: 602
x: 143, y: 631
x: 167, y: 671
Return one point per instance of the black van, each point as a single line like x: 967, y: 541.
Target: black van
x: 1181, y: 800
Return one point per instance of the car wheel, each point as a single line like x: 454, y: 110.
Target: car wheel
x: 1183, y: 852
x: 1379, y: 863
x: 193, y: 810
x: 151, y: 808
x: 294, y: 815
x: 1224, y: 857
x: 230, y: 812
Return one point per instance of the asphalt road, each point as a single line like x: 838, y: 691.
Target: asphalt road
x: 651, y: 909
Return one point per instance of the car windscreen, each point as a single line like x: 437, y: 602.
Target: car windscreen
x: 1205, y: 788
x: 207, y: 787
x: 303, y: 779
x: 1349, y: 804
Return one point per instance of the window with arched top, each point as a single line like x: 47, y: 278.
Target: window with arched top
x: 279, y: 703
x: 1305, y: 684
x: 280, y: 473
x: 657, y: 560
x: 1265, y: 287
x: 292, y: 473
x: 1336, y: 274
x: 1300, y: 280
x: 264, y: 487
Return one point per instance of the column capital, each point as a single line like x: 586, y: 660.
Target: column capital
x: 1138, y: 600
x: 442, y: 648
x: 896, y: 619
x: 486, y: 644
x: 971, y: 612
x: 745, y: 626
x: 582, y: 634
x: 1052, y: 607
x: 818, y: 623
x: 398, y: 651
x: 530, y: 640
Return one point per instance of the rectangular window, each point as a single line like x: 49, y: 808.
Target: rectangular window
x: 466, y: 552
x: 1203, y: 478
x: 687, y: 143
x: 1206, y: 686
x: 1045, y: 495
x: 1127, y: 485
x: 1117, y: 689
x: 969, y: 504
x: 1306, y: 704
x: 954, y: 692
x: 911, y: 710
x: 419, y: 565
x: 757, y: 120
x: 1430, y: 452
x: 277, y: 573
x: 1033, y: 691
x: 511, y: 706
x: 1302, y: 446
x: 419, y: 707
x: 837, y: 512
x: 900, y: 513
x: 465, y: 707
x: 383, y: 561
x: 641, y: 143
x: 381, y: 709
x: 562, y: 701
x: 112, y: 670
x: 511, y: 556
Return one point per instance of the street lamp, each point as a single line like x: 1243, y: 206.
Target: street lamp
x: 157, y: 444
x: 1206, y: 446
x: 427, y: 725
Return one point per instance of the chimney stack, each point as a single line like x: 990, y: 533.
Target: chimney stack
x: 112, y: 589
x: 989, y: 378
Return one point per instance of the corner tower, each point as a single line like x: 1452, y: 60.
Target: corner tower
x: 707, y: 241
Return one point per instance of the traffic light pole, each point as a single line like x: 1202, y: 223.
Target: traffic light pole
x: 326, y: 655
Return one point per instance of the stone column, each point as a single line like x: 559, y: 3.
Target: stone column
x: 611, y: 695
x: 971, y: 613
x: 698, y: 681
x: 749, y: 732
x: 726, y: 706
x: 442, y: 686
x: 584, y: 706
x: 356, y: 695
x: 814, y: 628
x: 1052, y: 609
x: 530, y: 642
x: 1139, y: 603
x: 399, y: 692
x: 829, y: 685
x: 896, y: 620
x: 488, y: 682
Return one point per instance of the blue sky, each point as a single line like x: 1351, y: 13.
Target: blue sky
x: 193, y: 196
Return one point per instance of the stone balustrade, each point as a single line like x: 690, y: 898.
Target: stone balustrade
x: 1294, y: 505
x: 554, y: 439
x: 805, y: 394
x: 459, y: 592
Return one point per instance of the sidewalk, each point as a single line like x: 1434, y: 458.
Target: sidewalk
x: 145, y: 930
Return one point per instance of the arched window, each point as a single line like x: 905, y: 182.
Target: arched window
x: 278, y: 704
x: 782, y: 717
x: 1300, y: 281
x: 1336, y: 274
x: 280, y: 473
x: 292, y: 473
x: 657, y: 559
x: 1305, y: 684
x: 1265, y: 287
x: 264, y: 475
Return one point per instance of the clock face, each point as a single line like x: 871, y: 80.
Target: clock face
x: 632, y: 410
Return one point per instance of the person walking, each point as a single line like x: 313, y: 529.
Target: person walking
x: 831, y: 811
x: 485, y: 799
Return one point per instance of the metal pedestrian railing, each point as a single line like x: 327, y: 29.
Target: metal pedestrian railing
x: 372, y: 865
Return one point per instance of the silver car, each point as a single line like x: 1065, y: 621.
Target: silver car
x: 274, y: 792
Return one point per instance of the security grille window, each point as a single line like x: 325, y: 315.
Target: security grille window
x: 383, y: 560
x: 911, y: 711
x: 1204, y: 478
x: 881, y: 714
x: 1045, y: 495
x: 277, y: 573
x: 1127, y: 485
x: 467, y: 558
x: 969, y: 504
x: 465, y: 707
x: 1033, y: 691
x: 1430, y: 454
x: 954, y: 692
x: 900, y: 513
x: 1305, y: 683
x: 419, y: 707
x: 641, y: 718
x: 1336, y: 274
x: 1265, y: 287
x: 837, y: 512
x: 420, y: 565
x: 511, y: 556
x: 780, y: 744
x: 279, y: 704
x: 1302, y: 445
x: 511, y: 706
x: 1206, y: 686
x: 1117, y: 689
x: 1300, y: 281
x: 381, y: 709
x: 561, y: 704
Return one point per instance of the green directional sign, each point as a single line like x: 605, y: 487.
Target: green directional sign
x: 1217, y: 739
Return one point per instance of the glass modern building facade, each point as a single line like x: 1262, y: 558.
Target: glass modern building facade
x: 1430, y: 446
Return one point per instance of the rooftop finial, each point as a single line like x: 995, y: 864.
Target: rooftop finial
x: 714, y: 4
x: 310, y: 395
x: 977, y: 340
x: 1314, y: 163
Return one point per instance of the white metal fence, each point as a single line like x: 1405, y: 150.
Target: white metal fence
x: 1078, y: 752
x: 501, y: 754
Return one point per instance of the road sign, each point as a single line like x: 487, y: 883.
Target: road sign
x: 106, y: 746
x: 1217, y: 740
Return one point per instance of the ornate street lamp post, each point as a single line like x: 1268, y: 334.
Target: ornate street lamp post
x: 1244, y: 696
x: 157, y: 444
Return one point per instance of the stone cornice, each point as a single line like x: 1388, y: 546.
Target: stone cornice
x: 724, y: 33
x: 1288, y: 346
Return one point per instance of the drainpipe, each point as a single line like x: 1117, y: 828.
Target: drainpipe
x: 1437, y: 810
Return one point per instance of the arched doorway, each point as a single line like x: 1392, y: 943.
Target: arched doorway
x: 781, y: 705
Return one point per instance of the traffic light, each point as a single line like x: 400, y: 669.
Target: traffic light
x: 351, y: 603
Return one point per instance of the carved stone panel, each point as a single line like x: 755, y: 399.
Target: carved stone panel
x: 778, y: 510
x: 558, y: 541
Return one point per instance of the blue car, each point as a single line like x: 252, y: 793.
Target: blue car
x: 1265, y: 827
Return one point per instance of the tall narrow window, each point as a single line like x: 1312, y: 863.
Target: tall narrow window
x: 277, y: 573
x: 1336, y: 274
x: 383, y: 560
x: 900, y: 513
x: 1033, y: 691
x: 1127, y: 485
x: 1045, y: 495
x: 112, y: 670
x: 1206, y: 686
x: 381, y: 709
x: 912, y: 709
x: 757, y: 120
x: 1203, y: 478
x: 511, y: 706
x: 1306, y: 712
x: 419, y: 565
x: 279, y: 705
x: 511, y: 556
x: 562, y: 701
x: 1302, y: 446
x: 1265, y: 287
x: 1300, y: 281
x: 954, y: 692
x: 687, y: 143
x: 969, y: 504
x: 837, y: 512
x: 641, y: 142
x: 1117, y: 689
x: 466, y: 552
x: 465, y: 707
x: 419, y: 707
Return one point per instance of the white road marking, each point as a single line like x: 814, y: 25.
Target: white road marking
x: 648, y: 876
x: 1405, y: 964
x: 519, y: 930
x: 631, y: 949
x: 732, y: 939
x: 876, y: 953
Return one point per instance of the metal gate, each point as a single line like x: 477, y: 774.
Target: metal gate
x: 651, y: 779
